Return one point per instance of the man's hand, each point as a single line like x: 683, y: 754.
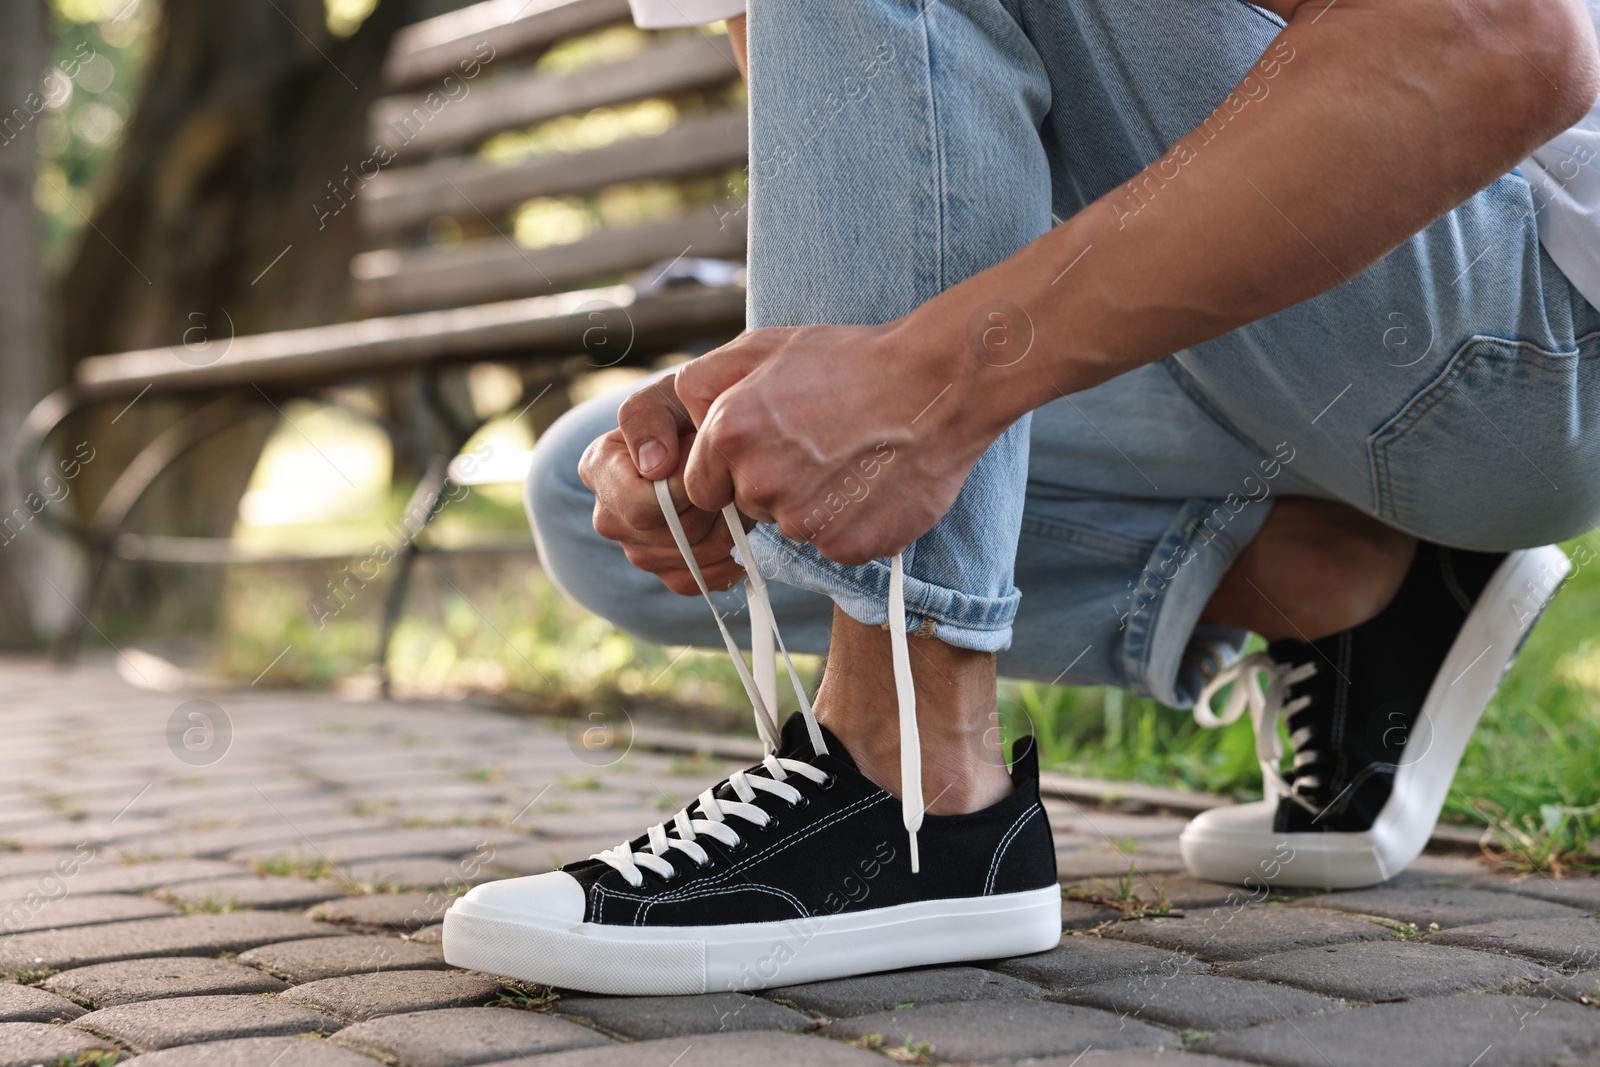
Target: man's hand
x: 846, y: 437
x: 652, y: 442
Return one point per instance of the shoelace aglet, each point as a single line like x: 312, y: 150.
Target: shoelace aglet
x: 916, y: 865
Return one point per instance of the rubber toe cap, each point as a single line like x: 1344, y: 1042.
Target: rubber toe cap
x: 554, y: 897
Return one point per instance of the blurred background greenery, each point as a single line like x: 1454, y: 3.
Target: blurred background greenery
x: 492, y: 627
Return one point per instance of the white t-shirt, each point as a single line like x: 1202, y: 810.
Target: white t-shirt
x: 1565, y: 173
x: 659, y: 14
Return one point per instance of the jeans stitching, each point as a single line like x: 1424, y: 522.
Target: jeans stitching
x: 1471, y: 352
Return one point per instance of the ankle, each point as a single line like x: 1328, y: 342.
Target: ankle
x: 963, y: 764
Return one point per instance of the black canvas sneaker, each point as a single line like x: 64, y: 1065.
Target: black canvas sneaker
x: 796, y: 870
x: 1378, y: 718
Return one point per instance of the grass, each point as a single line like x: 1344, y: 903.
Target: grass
x: 1123, y: 896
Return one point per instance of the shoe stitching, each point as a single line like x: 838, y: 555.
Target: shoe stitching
x: 867, y: 801
x: 1005, y: 843
x: 599, y: 901
x: 719, y: 891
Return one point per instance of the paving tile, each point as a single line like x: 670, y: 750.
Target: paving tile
x: 418, y: 872
x: 845, y: 997
x: 1243, y: 933
x: 257, y: 1052
x: 459, y: 1037
x: 1583, y: 987
x: 130, y: 981
x: 1390, y: 970
x: 538, y: 855
x: 350, y: 848
x: 642, y: 1018
x: 33, y: 1044
x: 153, y: 1024
x: 1081, y: 961
x: 1111, y: 825
x: 47, y: 914
x: 387, y: 912
x: 1079, y: 915
x: 1135, y: 1057
x: 180, y: 935
x: 1199, y: 1001
x: 1580, y: 891
x: 102, y: 874
x: 253, y: 891
x: 16, y: 864
x: 92, y: 831
x: 319, y: 958
x: 29, y: 1004
x: 1446, y: 906
x: 1001, y: 1029
x: 739, y: 1049
x: 1483, y: 1031
x: 320, y: 824
x: 1569, y: 944
x: 355, y: 997
x: 1073, y: 865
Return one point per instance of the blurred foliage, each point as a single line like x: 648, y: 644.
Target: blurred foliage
x: 98, y: 56
x: 99, y: 52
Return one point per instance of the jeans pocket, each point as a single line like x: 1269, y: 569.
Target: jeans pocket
x: 1500, y: 451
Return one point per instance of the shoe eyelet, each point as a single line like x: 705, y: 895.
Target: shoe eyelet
x: 737, y: 847
x: 772, y: 824
x: 828, y: 782
x: 673, y: 877
x: 707, y: 865
x: 801, y: 804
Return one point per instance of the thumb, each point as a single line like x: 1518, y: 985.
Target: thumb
x: 651, y: 421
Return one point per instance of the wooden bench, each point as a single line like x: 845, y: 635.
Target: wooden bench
x: 459, y: 81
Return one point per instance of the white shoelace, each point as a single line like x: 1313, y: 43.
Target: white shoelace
x: 762, y: 689
x: 1266, y: 706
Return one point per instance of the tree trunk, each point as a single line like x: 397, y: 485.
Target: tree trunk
x: 207, y: 230
x: 25, y: 599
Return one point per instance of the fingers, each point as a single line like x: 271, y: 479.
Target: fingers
x: 651, y: 421
x: 701, y: 381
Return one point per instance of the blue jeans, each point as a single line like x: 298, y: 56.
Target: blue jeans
x: 1452, y: 390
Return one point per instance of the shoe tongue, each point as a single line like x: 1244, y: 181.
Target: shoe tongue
x: 794, y: 742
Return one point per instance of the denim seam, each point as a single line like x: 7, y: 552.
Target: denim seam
x: 1395, y: 429
x: 1196, y: 396
x: 1122, y: 549
x: 936, y: 145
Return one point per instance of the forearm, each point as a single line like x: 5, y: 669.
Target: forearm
x: 1365, y: 121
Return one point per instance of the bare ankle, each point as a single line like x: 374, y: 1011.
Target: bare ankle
x: 963, y: 766
x: 1316, y: 568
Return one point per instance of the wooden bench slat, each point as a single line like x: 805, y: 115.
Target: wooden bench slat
x: 408, y: 126
x: 536, y: 326
x: 429, y: 50
x: 396, y: 200
x: 494, y: 268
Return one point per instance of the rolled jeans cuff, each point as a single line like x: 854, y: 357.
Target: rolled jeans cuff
x: 963, y: 620
x: 1168, y: 653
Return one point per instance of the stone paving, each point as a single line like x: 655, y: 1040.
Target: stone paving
x: 257, y: 879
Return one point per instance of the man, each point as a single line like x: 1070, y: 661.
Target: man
x: 1188, y: 319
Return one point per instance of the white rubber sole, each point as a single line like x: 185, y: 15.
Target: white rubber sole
x: 1238, y: 844
x: 641, y: 961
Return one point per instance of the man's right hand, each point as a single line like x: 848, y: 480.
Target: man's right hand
x: 652, y: 442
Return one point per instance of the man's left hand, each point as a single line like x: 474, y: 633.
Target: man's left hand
x: 849, y: 438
